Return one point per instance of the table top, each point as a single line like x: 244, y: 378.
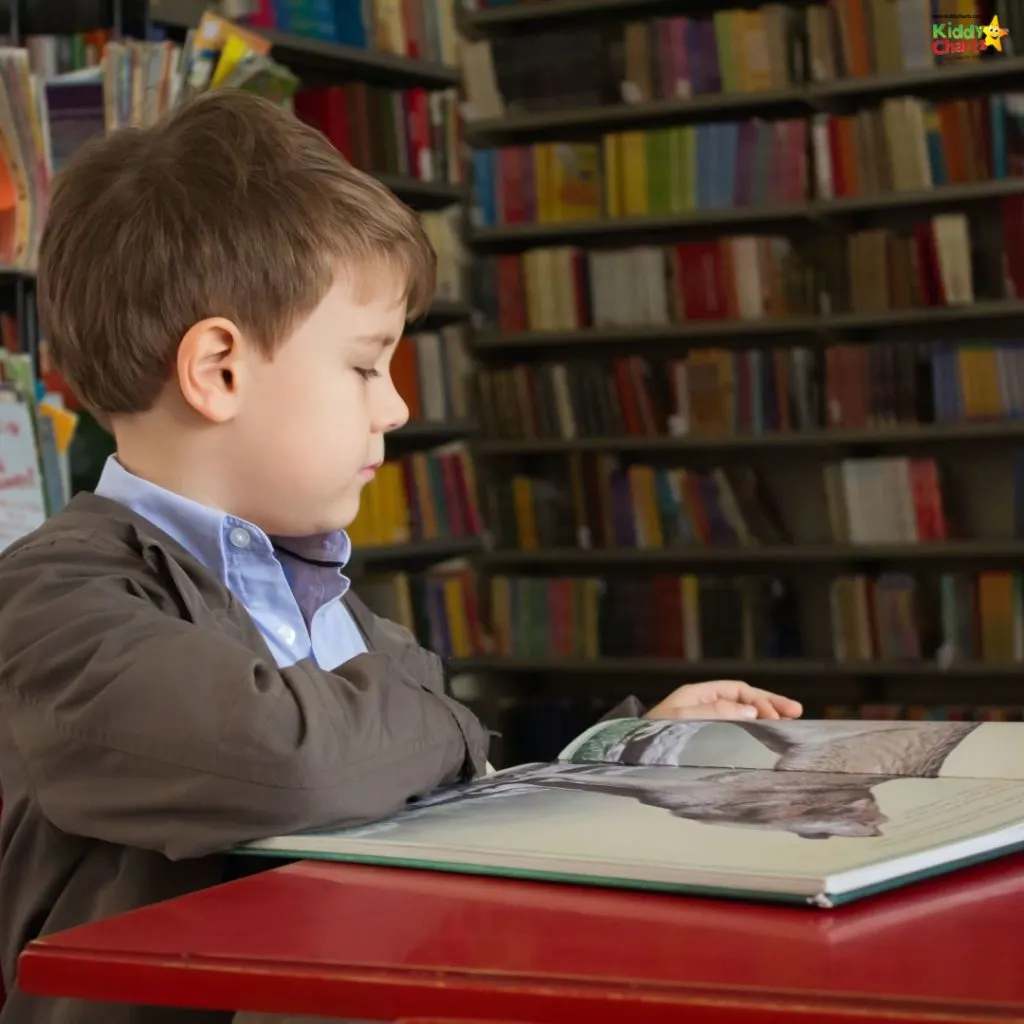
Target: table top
x: 386, y: 943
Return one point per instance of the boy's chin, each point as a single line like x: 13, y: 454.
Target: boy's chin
x: 317, y: 522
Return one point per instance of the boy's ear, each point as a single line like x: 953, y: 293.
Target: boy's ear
x: 211, y: 368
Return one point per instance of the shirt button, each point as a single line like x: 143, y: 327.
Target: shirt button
x: 287, y: 634
x: 240, y: 538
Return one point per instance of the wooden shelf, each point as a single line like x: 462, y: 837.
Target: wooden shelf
x: 803, y: 328
x: 766, y: 669
x: 551, y: 13
x: 797, y: 101
x: 587, y: 122
x: 648, y: 227
x: 932, y: 198
x: 441, y: 312
x: 314, y: 56
x: 1010, y: 431
x: 763, y: 218
x: 439, y: 431
x: 417, y: 553
x: 825, y: 557
x: 422, y: 195
x: 944, y: 79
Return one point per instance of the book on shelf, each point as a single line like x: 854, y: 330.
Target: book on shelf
x: 772, y: 48
x: 430, y: 370
x: 422, y: 496
x: 411, y: 132
x: 887, y: 500
x: 36, y: 431
x: 870, y: 37
x: 952, y: 259
x: 438, y: 606
x: 607, y: 503
x: 51, y: 55
x: 443, y: 228
x: 905, y: 145
x: 564, y: 288
x: 950, y: 618
x: 814, y: 813
x: 685, y: 617
x: 638, y: 61
x: 720, y: 392
x: 893, y: 619
x: 424, y: 30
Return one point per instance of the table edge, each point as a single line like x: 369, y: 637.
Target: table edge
x: 130, y: 969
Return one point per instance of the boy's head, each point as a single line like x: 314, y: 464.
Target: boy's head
x: 227, y: 292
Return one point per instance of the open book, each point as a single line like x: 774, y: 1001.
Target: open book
x: 818, y: 812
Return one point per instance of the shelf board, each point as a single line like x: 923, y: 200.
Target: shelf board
x: 441, y: 312
x: 518, y: 128
x: 945, y: 195
x: 551, y: 13
x: 487, y: 341
x: 752, y: 559
x: 998, y: 309
x: 423, y: 552
x: 942, y: 78
x: 427, y: 430
x: 519, y: 236
x: 422, y: 195
x: 802, y: 327
x: 781, y: 669
x: 343, y: 63
x: 908, y: 434
x: 761, y: 217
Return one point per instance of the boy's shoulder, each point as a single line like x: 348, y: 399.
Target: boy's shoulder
x: 99, y: 531
x: 87, y: 520
x: 96, y: 549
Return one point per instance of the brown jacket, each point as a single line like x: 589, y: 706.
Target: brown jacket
x: 145, y: 728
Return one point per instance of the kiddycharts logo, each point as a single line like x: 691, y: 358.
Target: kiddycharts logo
x: 958, y: 35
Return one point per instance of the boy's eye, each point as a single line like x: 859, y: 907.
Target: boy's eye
x: 367, y: 374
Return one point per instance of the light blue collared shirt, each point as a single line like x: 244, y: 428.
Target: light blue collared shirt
x: 295, y: 603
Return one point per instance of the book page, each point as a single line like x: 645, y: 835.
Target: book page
x: 749, y: 829
x: 973, y: 750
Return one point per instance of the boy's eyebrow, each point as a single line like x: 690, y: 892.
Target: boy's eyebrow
x: 383, y: 339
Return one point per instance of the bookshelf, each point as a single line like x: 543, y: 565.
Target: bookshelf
x: 655, y: 316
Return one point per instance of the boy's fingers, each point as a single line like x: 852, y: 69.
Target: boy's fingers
x: 765, y: 708
x: 733, y: 709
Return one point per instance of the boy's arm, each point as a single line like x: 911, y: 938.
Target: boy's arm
x: 140, y: 728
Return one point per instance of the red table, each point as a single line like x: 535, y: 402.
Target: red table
x: 377, y: 943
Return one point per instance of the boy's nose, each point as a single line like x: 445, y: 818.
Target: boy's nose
x: 394, y: 412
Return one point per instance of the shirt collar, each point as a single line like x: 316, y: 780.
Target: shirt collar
x: 201, y: 529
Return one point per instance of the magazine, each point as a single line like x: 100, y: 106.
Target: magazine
x: 804, y: 811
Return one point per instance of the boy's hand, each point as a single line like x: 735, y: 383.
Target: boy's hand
x: 724, y: 698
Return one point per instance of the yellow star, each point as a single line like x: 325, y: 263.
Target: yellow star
x: 994, y: 34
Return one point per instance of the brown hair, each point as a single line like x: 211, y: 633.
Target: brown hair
x: 230, y: 207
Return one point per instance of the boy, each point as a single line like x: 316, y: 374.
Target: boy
x: 227, y: 294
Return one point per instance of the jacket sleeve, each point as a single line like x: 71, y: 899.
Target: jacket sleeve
x: 144, y: 729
